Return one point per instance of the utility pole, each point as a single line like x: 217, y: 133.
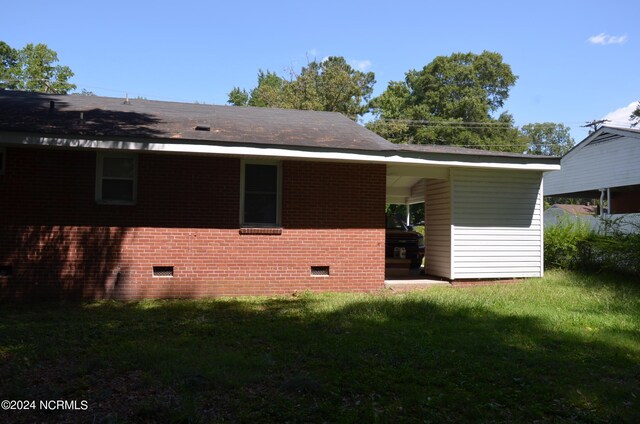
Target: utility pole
x: 595, y: 125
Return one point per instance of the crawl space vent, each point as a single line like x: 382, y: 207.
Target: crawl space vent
x: 320, y: 271
x: 203, y: 128
x: 6, y: 270
x: 163, y: 271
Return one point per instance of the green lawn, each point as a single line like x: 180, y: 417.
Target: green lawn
x: 565, y: 348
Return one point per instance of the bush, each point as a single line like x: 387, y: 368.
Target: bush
x: 563, y: 243
x: 572, y: 244
x: 615, y: 250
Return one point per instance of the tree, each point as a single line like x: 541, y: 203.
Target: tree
x: 547, y: 138
x: 452, y: 100
x: 33, y: 68
x: 8, y: 63
x: 635, y: 116
x: 83, y: 92
x: 330, y: 85
x: 270, y: 92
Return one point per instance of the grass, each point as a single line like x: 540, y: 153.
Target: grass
x: 565, y: 348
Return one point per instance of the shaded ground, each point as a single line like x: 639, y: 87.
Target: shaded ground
x: 562, y: 349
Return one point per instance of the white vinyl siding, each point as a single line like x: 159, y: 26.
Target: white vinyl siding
x: 438, y: 228
x: 599, y: 164
x: 418, y: 192
x: 496, y: 224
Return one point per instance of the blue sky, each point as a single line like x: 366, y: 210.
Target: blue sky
x: 576, y: 60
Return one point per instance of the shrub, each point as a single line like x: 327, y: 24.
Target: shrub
x: 563, y: 243
x: 572, y: 244
x: 616, y: 250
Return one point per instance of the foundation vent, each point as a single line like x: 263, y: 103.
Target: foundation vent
x: 163, y: 271
x: 320, y: 271
x: 6, y: 271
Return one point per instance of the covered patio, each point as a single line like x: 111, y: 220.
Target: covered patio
x: 483, y: 212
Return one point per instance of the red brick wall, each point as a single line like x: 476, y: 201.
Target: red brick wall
x: 59, y: 243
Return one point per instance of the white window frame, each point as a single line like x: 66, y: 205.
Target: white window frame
x: 3, y: 160
x: 278, y: 222
x: 100, y: 156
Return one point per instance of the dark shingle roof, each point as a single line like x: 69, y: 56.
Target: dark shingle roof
x: 106, y: 116
x: 74, y: 115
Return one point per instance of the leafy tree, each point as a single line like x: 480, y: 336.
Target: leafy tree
x: 33, y: 68
x: 452, y: 100
x: 329, y: 85
x: 83, y: 92
x: 238, y: 97
x: 416, y: 212
x: 8, y: 66
x: 268, y: 93
x: 547, y: 139
x: 635, y: 116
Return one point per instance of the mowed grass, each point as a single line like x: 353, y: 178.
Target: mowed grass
x: 565, y: 348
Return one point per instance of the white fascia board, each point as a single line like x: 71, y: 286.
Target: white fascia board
x: 264, y: 152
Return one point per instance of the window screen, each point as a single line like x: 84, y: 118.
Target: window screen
x: 261, y: 194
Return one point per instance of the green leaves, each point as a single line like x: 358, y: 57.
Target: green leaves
x: 451, y: 101
x: 547, y: 138
x: 635, y: 116
x: 8, y: 66
x: 33, y: 68
x: 330, y: 85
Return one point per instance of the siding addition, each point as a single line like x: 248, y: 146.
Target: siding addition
x: 497, y: 224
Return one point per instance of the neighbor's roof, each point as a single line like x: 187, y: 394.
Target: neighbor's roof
x: 577, y: 209
x: 604, y: 134
x: 106, y: 116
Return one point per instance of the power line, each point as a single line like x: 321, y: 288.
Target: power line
x: 595, y: 125
x: 465, y: 124
x: 471, y: 125
x: 424, y: 122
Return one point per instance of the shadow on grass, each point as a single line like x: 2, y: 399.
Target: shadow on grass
x: 311, y: 359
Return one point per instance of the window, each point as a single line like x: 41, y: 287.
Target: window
x: 260, y: 197
x: 116, y: 178
x: 2, y: 155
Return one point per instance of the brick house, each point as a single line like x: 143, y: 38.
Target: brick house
x: 118, y: 198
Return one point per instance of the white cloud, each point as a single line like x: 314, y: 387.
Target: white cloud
x: 604, y: 39
x: 620, y: 117
x: 312, y: 53
x: 362, y: 65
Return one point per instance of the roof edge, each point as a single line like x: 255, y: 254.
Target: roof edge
x: 279, y: 151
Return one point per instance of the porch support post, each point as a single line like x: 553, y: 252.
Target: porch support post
x: 408, y: 213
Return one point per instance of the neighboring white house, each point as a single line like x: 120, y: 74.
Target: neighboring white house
x: 606, y: 166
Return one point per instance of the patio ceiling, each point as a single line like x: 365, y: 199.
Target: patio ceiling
x: 405, y: 183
